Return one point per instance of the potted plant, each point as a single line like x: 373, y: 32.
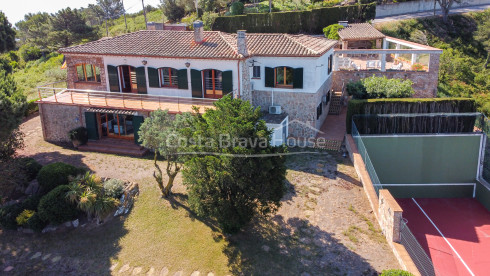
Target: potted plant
x: 417, y: 67
x: 78, y: 136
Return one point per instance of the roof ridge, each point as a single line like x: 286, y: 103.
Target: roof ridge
x: 235, y: 50
x: 290, y: 37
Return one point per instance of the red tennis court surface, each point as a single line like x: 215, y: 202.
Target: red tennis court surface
x: 455, y: 233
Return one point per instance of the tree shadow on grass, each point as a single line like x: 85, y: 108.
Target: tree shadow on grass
x: 278, y: 247
x: 81, y: 251
x: 45, y: 158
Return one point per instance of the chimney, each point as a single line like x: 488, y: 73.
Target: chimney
x: 344, y: 23
x: 242, y: 43
x: 198, y: 31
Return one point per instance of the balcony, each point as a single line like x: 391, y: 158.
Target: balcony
x: 117, y: 100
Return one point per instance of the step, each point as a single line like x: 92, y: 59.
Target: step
x: 113, y: 150
x: 122, y: 144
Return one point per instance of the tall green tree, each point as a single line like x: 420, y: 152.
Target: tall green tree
x: 482, y: 35
x: 35, y: 29
x: 7, y: 34
x: 446, y: 7
x: 234, y: 173
x: 69, y: 27
x: 12, y: 107
x: 173, y: 9
x: 161, y: 132
x: 111, y: 9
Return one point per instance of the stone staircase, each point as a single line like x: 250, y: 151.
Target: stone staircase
x: 114, y: 146
x: 335, y: 103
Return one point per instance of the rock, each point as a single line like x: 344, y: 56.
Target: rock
x: 265, y: 248
x: 210, y: 274
x: 151, y: 272
x: 75, y: 223
x: 46, y: 257
x: 195, y: 273
x: 124, y: 268
x: 164, y: 272
x: 305, y: 274
x: 55, y: 259
x: 49, y: 228
x: 37, y: 255
x: 179, y: 273
x: 315, y: 189
x: 27, y: 231
x: 127, y: 199
x: 137, y: 270
x: 8, y: 268
x: 33, y: 188
x: 67, y: 224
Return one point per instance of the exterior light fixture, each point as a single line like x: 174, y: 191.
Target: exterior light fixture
x: 187, y: 64
x: 144, y: 62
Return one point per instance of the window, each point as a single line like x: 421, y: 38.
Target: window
x: 330, y: 59
x: 169, y: 77
x: 283, y: 77
x: 256, y: 72
x: 88, y: 72
x: 319, y: 111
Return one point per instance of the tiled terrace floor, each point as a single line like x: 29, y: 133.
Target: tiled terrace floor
x: 334, y: 126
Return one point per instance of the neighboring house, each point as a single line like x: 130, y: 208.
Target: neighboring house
x: 113, y: 83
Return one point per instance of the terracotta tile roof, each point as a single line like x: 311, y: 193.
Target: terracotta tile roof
x: 360, y: 31
x: 216, y: 45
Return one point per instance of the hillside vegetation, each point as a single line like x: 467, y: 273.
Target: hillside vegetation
x: 463, y: 71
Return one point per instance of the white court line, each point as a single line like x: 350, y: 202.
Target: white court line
x: 442, y: 235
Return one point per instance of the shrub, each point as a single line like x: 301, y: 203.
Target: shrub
x: 32, y: 202
x: 356, y: 89
x: 55, y: 208
x: 32, y: 107
x: 23, y: 217
x: 55, y: 174
x: 29, y: 52
x: 417, y: 67
x: 114, y: 188
x: 79, y: 134
x: 8, y: 215
x: 332, y: 31
x: 237, y: 8
x: 396, y: 272
x: 36, y: 223
x: 31, y: 166
x: 382, y: 87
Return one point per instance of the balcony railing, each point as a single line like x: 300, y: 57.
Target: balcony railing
x: 128, y: 101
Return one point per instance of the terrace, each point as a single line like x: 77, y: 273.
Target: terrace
x: 117, y: 100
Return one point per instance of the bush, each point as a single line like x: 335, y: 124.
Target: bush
x: 32, y: 107
x: 114, y: 188
x: 356, y: 89
x: 36, y: 223
x: 23, y: 217
x: 32, y: 202
x: 395, y: 272
x: 237, y: 8
x: 8, y: 215
x: 79, y: 134
x: 56, y: 174
x: 29, y: 52
x: 408, y: 105
x: 13, y: 179
x: 382, y: 87
x: 31, y: 166
x: 55, y: 208
x: 332, y: 31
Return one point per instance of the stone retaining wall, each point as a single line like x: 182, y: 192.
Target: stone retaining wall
x: 57, y: 120
x: 300, y: 106
x: 390, y: 216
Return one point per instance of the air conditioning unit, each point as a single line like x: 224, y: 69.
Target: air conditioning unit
x: 275, y: 109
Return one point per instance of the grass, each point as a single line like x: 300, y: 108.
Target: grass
x: 373, y: 232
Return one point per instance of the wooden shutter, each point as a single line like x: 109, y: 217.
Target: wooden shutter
x: 137, y: 121
x: 227, y: 81
x: 153, y: 79
x: 91, y: 125
x: 182, y: 79
x: 113, y: 78
x: 196, y: 83
x: 298, y: 78
x: 269, y: 77
x: 141, y: 80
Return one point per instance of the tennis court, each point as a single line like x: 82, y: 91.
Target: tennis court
x: 454, y: 232
x: 438, y: 181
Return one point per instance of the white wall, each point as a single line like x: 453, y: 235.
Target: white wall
x: 314, y: 71
x: 276, y: 137
x: 198, y: 64
x: 420, y: 6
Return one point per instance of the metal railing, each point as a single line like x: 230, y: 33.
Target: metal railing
x: 365, y: 158
x: 417, y: 253
x: 118, y: 99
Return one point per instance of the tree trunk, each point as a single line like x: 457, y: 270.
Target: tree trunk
x: 171, y: 176
x: 170, y: 183
x: 144, y: 13
x: 124, y: 13
x: 106, y: 28
x: 485, y: 66
x: 158, y: 173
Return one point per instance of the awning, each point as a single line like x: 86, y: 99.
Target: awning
x: 114, y: 111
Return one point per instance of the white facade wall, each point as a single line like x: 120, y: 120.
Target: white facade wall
x: 198, y: 64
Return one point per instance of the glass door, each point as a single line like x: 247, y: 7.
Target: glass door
x: 117, y: 126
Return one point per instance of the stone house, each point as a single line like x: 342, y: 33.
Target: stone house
x: 113, y: 83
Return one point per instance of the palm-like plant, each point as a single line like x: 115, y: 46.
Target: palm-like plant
x: 88, y: 193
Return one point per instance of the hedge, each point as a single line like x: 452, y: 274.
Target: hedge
x: 54, y: 207
x: 408, y: 105
x: 295, y: 21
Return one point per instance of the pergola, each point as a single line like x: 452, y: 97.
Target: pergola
x: 360, y: 36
